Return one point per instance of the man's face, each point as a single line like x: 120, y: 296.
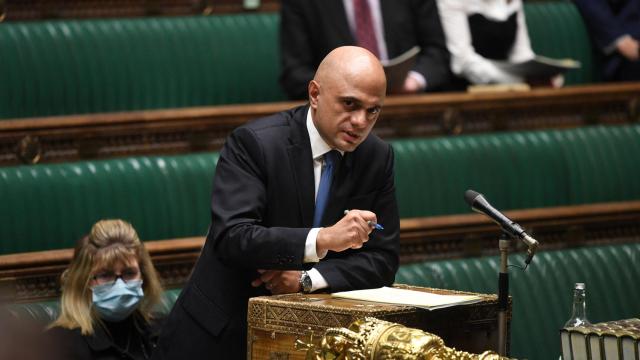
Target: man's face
x: 344, y: 111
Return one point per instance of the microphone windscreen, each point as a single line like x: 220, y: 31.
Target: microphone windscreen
x: 470, y: 196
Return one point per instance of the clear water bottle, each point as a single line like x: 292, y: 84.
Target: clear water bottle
x: 579, y: 312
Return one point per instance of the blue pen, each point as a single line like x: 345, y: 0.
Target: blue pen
x: 370, y: 223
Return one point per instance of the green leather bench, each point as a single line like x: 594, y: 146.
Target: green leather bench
x: 50, y: 206
x: 542, y: 295
x: 106, y: 65
x: 518, y: 170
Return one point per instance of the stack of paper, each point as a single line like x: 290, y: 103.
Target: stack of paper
x: 421, y: 299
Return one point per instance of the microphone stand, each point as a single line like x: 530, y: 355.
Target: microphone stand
x: 503, y: 294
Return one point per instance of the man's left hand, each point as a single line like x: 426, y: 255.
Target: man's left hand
x: 279, y: 281
x: 411, y: 85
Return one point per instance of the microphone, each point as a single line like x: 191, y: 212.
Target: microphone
x: 479, y: 204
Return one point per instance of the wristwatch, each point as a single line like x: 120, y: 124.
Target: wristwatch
x: 305, y: 282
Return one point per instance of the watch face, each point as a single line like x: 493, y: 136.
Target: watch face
x: 305, y: 281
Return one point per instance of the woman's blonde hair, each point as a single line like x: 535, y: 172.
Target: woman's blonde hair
x: 109, y: 242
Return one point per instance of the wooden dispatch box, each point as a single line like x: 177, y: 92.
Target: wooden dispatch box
x: 276, y: 322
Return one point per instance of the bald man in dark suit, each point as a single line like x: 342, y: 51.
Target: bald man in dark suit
x: 269, y: 234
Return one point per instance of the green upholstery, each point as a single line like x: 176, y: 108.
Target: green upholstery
x: 518, y: 170
x: 542, y: 295
x: 50, y: 206
x: 556, y: 30
x: 105, y: 65
x: 45, y: 312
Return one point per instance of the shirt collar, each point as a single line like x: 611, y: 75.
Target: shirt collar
x: 318, y: 146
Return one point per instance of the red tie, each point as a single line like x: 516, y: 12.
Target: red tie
x: 365, y: 35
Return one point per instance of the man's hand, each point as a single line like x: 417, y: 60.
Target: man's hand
x: 629, y: 48
x: 351, y: 232
x: 279, y: 281
x: 411, y: 85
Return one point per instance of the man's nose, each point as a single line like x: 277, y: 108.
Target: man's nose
x: 359, y: 119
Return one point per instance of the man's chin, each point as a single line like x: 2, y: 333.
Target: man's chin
x: 347, y: 147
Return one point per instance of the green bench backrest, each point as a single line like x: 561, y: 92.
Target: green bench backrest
x: 542, y: 295
x: 50, y: 206
x: 105, y: 65
x: 517, y: 170
x: 556, y: 30
x: 88, y: 66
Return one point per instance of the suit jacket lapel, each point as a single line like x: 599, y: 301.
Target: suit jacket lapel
x: 301, y: 163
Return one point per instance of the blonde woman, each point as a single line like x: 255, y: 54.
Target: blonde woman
x: 108, y: 293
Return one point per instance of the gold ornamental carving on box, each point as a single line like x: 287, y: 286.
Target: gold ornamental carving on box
x: 374, y: 339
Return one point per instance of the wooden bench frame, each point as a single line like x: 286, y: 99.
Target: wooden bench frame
x: 35, y: 276
x: 175, y: 131
x: 15, y: 10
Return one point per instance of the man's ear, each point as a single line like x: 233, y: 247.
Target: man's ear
x: 314, y: 91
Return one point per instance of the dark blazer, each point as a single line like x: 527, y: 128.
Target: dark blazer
x: 607, y: 20
x: 70, y: 344
x: 262, y: 209
x: 310, y: 29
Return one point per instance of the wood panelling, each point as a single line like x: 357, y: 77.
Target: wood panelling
x: 20, y: 10
x: 173, y: 131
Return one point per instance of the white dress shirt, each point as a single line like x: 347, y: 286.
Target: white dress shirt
x: 318, y: 148
x: 465, y: 61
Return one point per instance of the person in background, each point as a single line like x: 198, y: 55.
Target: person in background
x: 108, y: 294
x: 310, y: 29
x: 295, y: 201
x: 615, y: 29
x: 479, y: 31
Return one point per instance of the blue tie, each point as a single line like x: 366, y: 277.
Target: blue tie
x: 331, y: 159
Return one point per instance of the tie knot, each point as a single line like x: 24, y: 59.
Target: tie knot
x: 332, y: 157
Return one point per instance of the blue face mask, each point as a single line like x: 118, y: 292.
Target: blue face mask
x: 114, y: 302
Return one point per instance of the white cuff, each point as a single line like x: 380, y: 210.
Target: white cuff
x: 419, y: 78
x: 310, y: 252
x: 317, y: 280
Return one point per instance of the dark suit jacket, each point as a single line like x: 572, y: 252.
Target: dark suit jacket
x: 310, y: 29
x: 607, y: 20
x: 262, y: 209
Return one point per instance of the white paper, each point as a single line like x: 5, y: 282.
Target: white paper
x: 421, y: 299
